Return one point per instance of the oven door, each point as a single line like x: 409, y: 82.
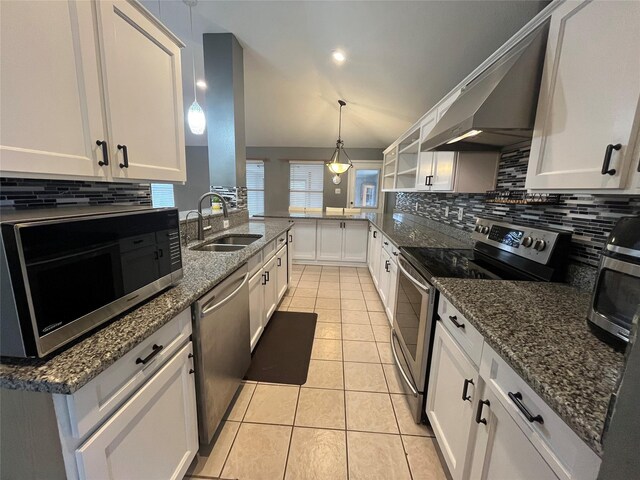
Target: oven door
x: 615, y: 298
x: 411, y: 335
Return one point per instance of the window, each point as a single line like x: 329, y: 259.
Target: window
x: 255, y: 187
x: 306, y: 184
x: 162, y: 195
x: 366, y: 188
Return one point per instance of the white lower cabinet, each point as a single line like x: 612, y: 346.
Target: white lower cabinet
x: 267, y: 286
x: 383, y: 280
x: 153, y: 435
x: 270, y: 289
x: 501, y: 450
x: 393, y: 290
x: 282, y: 273
x: 375, y: 244
x: 304, y: 240
x: 489, y: 423
x: 340, y: 240
x: 256, y: 307
x: 450, y: 400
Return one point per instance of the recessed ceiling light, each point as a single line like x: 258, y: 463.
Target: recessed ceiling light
x: 338, y: 56
x: 201, y: 84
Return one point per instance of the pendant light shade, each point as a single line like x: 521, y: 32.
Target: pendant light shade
x: 196, y: 119
x: 195, y: 116
x: 340, y: 161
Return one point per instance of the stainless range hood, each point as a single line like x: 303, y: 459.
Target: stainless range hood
x: 498, y: 107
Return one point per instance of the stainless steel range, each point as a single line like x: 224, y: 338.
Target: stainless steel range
x: 502, y: 251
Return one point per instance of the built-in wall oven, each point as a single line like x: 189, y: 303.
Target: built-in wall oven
x: 502, y: 251
x: 66, y: 271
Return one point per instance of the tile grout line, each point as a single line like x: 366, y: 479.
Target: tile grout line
x: 344, y: 396
x: 293, y: 422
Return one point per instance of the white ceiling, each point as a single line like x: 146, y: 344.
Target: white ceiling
x: 402, y: 57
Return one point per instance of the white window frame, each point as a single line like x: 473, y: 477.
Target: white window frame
x: 320, y: 166
x: 256, y: 162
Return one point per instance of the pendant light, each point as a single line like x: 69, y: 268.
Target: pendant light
x: 340, y: 161
x: 195, y: 114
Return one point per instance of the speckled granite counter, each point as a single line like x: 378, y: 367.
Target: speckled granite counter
x: 77, y: 365
x: 540, y: 329
x: 397, y: 227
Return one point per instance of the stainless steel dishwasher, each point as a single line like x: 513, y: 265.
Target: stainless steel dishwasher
x: 222, y: 351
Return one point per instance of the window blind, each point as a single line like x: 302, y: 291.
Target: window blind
x: 162, y: 195
x: 255, y: 187
x: 306, y: 182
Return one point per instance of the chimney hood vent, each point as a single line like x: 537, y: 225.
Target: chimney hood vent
x: 497, y: 108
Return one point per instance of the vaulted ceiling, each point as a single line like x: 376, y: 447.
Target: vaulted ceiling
x: 402, y: 57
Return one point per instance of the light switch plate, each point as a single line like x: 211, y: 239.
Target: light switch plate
x: 225, y: 223
x: 338, y: 191
x: 460, y: 214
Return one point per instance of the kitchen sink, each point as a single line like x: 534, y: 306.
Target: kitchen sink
x: 236, y: 239
x: 227, y: 243
x: 214, y: 247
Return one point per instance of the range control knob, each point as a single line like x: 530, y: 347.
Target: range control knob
x: 485, y: 229
x: 539, y: 245
x: 478, y: 228
x: 527, y: 242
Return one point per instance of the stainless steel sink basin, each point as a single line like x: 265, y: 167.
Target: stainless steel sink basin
x: 214, y: 247
x: 227, y: 243
x: 236, y: 239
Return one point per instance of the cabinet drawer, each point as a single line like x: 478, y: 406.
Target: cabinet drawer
x: 466, y: 335
x: 562, y: 449
x: 388, y: 246
x: 255, y: 263
x: 269, y: 250
x: 101, y: 396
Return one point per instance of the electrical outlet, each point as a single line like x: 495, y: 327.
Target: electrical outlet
x: 460, y: 213
x: 446, y: 211
x: 416, y: 207
x: 225, y: 223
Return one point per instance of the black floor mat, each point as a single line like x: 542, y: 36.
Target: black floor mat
x: 284, y: 350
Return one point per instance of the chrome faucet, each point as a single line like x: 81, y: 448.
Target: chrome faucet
x: 225, y: 211
x: 186, y: 225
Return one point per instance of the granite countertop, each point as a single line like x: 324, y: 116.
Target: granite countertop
x: 540, y: 329
x: 397, y: 227
x: 75, y: 366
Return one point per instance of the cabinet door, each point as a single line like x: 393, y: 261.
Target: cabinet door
x: 51, y: 111
x: 354, y: 241
x: 329, y: 240
x: 281, y: 273
x: 304, y: 240
x: 143, y: 90
x: 449, y: 414
x: 376, y: 242
x: 256, y: 307
x: 502, y: 450
x: 393, y: 290
x: 444, y: 163
x: 153, y: 435
x: 270, y: 289
x: 588, y: 97
x: 383, y: 281
x: 425, y: 159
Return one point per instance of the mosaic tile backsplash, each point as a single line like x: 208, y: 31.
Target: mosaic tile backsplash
x: 30, y: 193
x: 589, y: 217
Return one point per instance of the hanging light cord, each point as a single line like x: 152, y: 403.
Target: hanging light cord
x: 193, y: 56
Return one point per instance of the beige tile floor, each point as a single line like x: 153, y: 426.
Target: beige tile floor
x: 350, y: 420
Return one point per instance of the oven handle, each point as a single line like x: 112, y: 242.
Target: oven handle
x: 397, y: 360
x: 413, y: 280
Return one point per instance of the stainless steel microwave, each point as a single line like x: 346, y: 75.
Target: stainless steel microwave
x: 65, y: 271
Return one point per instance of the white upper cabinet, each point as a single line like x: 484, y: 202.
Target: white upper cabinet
x: 51, y: 111
x: 588, y: 98
x: 425, y: 159
x: 143, y: 90
x: 88, y: 72
x: 444, y: 163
